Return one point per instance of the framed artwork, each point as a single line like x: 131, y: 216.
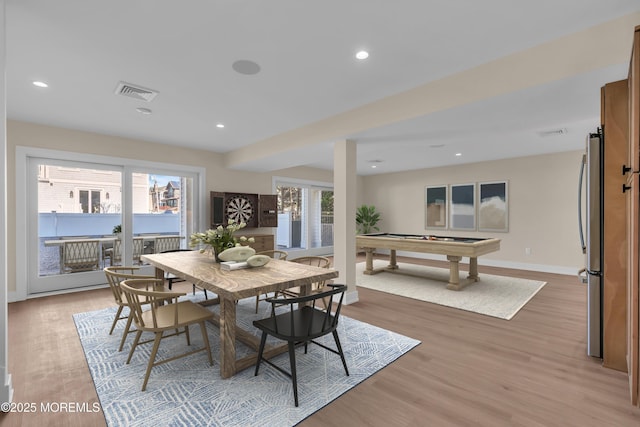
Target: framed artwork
x: 493, y: 210
x: 462, y: 207
x: 435, y: 199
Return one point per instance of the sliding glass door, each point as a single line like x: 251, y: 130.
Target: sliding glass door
x: 305, y: 217
x: 83, y: 216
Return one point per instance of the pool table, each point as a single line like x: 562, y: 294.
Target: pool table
x: 453, y: 247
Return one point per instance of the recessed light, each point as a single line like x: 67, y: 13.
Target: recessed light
x: 373, y: 166
x: 40, y: 84
x: 363, y: 54
x: 220, y: 125
x: 458, y: 154
x: 143, y: 110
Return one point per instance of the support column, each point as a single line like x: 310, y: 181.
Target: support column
x: 6, y: 390
x: 344, y: 216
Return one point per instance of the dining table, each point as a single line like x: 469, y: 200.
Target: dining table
x: 230, y: 286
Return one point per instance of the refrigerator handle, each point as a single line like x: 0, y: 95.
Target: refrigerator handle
x: 580, y: 179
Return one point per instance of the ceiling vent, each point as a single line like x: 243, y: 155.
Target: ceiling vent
x: 552, y: 132
x: 136, y: 92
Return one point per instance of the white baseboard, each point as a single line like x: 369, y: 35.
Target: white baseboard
x: 14, y: 297
x: 350, y: 297
x: 6, y: 391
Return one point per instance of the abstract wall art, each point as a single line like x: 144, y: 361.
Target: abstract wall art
x: 493, y: 211
x: 462, y: 207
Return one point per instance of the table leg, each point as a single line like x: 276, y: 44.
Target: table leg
x: 393, y: 265
x: 454, y: 272
x: 227, y: 338
x: 368, y: 269
x: 473, y: 269
x: 159, y: 273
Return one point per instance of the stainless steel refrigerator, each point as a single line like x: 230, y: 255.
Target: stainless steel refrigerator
x: 592, y: 174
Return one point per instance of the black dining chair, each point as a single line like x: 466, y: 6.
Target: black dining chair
x: 300, y: 322
x: 173, y: 278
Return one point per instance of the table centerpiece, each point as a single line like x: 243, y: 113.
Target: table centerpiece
x: 219, y: 239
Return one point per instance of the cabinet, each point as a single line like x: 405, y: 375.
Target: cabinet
x: 263, y: 242
x: 615, y: 124
x: 633, y: 209
x: 256, y: 210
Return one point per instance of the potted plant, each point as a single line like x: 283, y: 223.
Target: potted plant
x: 366, y: 219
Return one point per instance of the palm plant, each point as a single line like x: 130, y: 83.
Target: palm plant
x: 366, y: 219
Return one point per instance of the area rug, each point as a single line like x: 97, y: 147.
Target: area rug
x: 190, y: 392
x: 497, y: 296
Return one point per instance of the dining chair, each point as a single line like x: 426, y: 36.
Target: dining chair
x: 161, y: 318
x: 80, y: 256
x: 275, y: 254
x: 115, y: 275
x: 300, y: 322
x: 170, y: 278
x: 316, y: 261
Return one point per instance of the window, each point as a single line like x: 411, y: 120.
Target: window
x: 84, y: 199
x: 305, y: 217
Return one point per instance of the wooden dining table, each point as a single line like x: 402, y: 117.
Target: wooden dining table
x: 233, y: 285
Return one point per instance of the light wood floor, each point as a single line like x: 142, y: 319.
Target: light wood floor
x: 469, y: 370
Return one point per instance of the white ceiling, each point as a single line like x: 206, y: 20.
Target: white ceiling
x: 309, y: 79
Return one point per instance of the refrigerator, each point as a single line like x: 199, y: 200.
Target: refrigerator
x: 591, y: 236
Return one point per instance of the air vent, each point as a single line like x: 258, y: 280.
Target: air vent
x: 552, y: 132
x: 136, y: 92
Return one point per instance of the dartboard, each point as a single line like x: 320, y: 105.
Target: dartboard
x: 240, y: 209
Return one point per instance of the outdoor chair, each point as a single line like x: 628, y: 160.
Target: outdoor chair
x: 80, y: 256
x: 166, y: 243
x: 115, y: 275
x: 115, y: 253
x: 163, y: 318
x: 275, y: 254
x: 300, y: 323
x: 138, y: 248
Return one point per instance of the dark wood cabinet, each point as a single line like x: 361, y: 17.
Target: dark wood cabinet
x: 263, y: 242
x: 256, y: 210
x: 615, y: 120
x: 633, y: 210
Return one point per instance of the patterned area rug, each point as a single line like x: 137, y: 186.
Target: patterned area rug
x: 497, y: 296
x: 190, y: 392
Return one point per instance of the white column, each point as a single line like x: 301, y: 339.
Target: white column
x: 344, y: 216
x: 6, y: 390
x: 315, y: 218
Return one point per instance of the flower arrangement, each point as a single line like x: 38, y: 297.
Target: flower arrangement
x: 219, y: 239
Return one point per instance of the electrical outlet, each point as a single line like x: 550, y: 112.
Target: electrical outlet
x: 527, y: 251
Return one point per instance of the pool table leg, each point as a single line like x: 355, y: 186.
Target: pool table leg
x: 393, y: 265
x: 454, y: 272
x: 473, y: 269
x: 368, y: 261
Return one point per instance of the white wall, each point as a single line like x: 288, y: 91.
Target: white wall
x: 543, y: 200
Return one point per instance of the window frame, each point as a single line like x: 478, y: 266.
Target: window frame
x: 25, y: 201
